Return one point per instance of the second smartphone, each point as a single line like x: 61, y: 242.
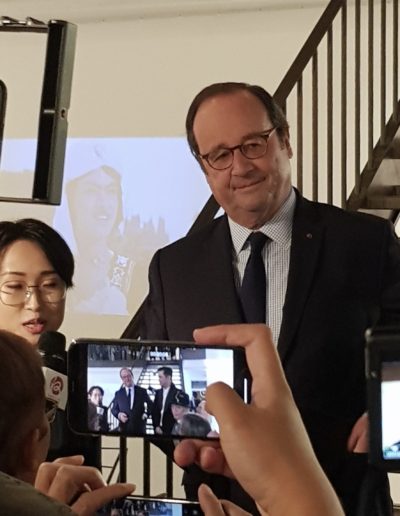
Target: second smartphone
x: 141, y: 388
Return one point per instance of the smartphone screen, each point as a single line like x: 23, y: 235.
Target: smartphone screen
x: 135, y: 506
x: 383, y: 375
x: 143, y: 388
x: 390, y: 410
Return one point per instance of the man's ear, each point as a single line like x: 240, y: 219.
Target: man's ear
x: 285, y: 143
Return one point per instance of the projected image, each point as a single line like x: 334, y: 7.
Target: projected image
x: 391, y: 410
x: 148, y: 391
x: 123, y: 198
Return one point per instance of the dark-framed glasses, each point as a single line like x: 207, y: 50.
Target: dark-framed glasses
x: 51, y: 410
x: 252, y: 148
x: 16, y: 292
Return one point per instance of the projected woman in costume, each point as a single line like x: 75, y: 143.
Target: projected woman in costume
x: 102, y: 274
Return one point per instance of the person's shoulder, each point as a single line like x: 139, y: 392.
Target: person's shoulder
x: 198, y: 236
x: 17, y: 497
x: 334, y: 215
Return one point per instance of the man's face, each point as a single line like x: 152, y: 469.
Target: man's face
x: 178, y: 411
x: 165, y: 381
x: 251, y: 190
x: 126, y: 377
x: 96, y: 397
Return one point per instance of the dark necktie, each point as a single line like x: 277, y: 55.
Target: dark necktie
x: 129, y: 395
x: 254, y: 285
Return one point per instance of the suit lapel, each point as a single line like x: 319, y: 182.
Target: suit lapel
x: 216, y: 281
x: 307, y: 237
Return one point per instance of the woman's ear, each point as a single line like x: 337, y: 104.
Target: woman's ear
x: 33, y: 451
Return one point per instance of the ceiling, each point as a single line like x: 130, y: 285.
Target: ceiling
x: 87, y: 11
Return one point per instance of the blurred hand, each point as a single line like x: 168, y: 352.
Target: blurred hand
x: 122, y: 417
x: 263, y: 444
x: 81, y: 487
x: 213, y: 507
x: 358, y: 440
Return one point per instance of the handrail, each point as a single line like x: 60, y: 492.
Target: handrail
x: 307, y: 51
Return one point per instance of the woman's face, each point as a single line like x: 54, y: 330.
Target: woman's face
x: 24, y: 262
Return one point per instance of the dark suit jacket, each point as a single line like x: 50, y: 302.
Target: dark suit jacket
x: 135, y: 425
x: 168, y: 418
x: 97, y: 422
x: 344, y: 276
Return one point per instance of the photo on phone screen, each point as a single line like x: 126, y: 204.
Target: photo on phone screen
x: 145, y: 389
x: 136, y: 506
x: 390, y: 396
x: 383, y: 383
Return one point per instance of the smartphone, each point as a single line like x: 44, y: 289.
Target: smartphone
x: 143, y: 388
x: 136, y: 506
x: 383, y: 388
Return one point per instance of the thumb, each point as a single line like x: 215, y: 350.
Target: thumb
x: 209, y: 502
x: 225, y: 405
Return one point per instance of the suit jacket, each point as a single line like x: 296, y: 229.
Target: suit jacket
x: 168, y: 418
x: 344, y: 276
x: 97, y: 422
x: 135, y: 425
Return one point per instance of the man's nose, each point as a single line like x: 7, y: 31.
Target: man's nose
x: 240, y: 164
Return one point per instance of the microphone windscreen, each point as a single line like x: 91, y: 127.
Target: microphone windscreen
x: 52, y: 342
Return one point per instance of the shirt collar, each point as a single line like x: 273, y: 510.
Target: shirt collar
x: 278, y: 229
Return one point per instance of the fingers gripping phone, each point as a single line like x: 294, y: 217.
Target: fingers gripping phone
x: 151, y: 389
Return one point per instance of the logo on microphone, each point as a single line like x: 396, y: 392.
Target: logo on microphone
x: 56, y: 385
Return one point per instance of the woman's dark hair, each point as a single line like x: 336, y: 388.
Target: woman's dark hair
x: 21, y: 396
x: 275, y: 113
x: 90, y: 392
x: 194, y: 425
x: 51, y: 243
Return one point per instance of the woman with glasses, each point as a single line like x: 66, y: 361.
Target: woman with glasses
x: 36, y: 269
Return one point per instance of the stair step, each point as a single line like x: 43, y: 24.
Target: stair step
x: 382, y: 202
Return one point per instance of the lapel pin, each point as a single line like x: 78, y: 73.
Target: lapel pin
x: 309, y: 235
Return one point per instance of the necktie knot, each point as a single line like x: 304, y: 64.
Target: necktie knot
x: 257, y: 241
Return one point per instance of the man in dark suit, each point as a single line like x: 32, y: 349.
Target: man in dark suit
x: 330, y: 274
x: 162, y: 418
x: 131, y: 405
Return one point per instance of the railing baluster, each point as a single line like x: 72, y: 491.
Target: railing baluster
x: 300, y: 134
x: 370, y: 81
x: 315, y: 126
x: 357, y: 86
x: 383, y: 70
x: 344, y: 109
x: 329, y: 122
x: 395, y: 58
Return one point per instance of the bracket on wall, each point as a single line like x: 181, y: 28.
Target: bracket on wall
x: 55, y: 102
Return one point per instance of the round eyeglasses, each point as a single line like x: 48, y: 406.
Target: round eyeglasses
x: 17, y: 293
x: 252, y: 148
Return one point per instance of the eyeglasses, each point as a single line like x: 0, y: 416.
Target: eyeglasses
x: 15, y: 293
x: 252, y: 148
x: 51, y: 410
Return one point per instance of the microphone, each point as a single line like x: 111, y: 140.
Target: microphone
x: 51, y: 346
